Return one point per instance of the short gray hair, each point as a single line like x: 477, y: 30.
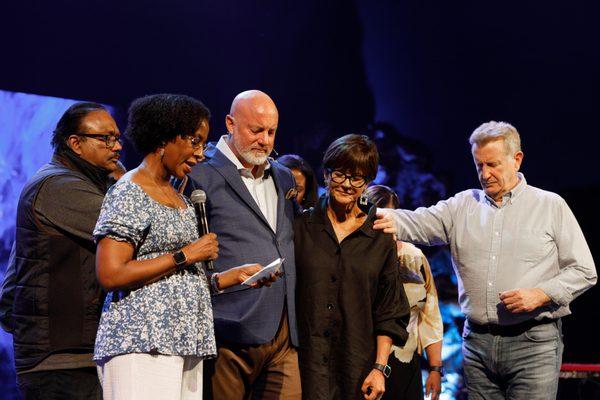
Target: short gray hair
x: 493, y: 130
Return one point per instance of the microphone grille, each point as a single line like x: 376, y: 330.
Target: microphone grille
x: 198, y: 196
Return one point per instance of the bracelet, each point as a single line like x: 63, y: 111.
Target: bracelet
x: 214, y: 283
x: 437, y: 368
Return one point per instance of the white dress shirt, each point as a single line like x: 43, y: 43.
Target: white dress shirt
x: 261, y: 189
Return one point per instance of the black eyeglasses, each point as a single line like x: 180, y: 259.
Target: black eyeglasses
x: 340, y: 177
x: 109, y: 140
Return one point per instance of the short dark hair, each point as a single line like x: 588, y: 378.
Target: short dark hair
x: 352, y: 153
x: 159, y: 118
x: 382, y: 195
x: 294, y: 161
x: 70, y: 123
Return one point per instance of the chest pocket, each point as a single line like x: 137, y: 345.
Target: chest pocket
x: 531, y: 245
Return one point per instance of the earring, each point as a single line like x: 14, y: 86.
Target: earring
x: 162, y: 154
x: 363, y: 199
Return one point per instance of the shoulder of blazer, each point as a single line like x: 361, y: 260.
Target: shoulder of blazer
x: 286, y: 172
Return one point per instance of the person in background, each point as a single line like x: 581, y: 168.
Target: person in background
x: 306, y: 182
x: 425, y: 329
x: 157, y: 326
x: 520, y: 258
x: 51, y: 300
x: 351, y: 304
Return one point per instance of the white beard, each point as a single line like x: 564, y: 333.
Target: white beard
x: 250, y: 158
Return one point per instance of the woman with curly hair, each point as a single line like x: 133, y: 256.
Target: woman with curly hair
x: 157, y: 325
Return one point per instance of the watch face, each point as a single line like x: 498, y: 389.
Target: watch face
x: 179, y: 258
x: 387, y: 370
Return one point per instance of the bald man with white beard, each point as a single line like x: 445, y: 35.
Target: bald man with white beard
x: 250, y: 207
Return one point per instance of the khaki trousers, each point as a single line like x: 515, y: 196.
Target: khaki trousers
x: 268, y: 371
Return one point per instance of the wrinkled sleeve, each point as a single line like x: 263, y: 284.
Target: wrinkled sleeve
x: 391, y: 308
x: 426, y: 225
x: 124, y: 215
x: 577, y: 271
x: 431, y: 327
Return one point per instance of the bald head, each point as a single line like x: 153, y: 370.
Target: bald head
x: 252, y: 123
x: 252, y: 100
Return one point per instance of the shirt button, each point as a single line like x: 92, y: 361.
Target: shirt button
x: 490, y: 283
x: 330, y: 306
x: 333, y: 279
x: 496, y: 233
x: 493, y: 257
x: 326, y: 334
x: 325, y: 360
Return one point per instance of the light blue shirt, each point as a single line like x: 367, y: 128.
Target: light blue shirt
x: 532, y: 240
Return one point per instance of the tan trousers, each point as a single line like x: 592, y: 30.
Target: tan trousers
x: 268, y: 371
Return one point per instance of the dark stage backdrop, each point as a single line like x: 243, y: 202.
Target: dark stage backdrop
x: 432, y: 71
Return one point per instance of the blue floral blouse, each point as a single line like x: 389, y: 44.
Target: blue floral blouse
x: 172, y: 316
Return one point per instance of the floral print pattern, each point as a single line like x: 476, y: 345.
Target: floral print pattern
x: 171, y: 316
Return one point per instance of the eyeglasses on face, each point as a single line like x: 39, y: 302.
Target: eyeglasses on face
x: 196, y: 142
x: 340, y: 177
x: 108, y: 139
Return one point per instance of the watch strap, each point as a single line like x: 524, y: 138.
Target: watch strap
x: 437, y: 368
x: 385, y: 369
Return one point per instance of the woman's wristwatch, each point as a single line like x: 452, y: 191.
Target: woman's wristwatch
x: 385, y: 369
x: 437, y: 368
x: 180, y: 259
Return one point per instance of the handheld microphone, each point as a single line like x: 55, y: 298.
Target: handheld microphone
x: 198, y: 198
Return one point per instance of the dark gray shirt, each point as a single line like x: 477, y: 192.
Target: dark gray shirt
x: 532, y: 240
x: 68, y: 204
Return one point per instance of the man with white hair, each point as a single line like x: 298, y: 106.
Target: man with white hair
x: 520, y: 257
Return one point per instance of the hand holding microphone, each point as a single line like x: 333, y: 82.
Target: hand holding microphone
x: 198, y: 198
x: 204, y: 249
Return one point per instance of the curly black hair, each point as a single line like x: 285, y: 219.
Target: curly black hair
x: 70, y: 123
x: 159, y: 118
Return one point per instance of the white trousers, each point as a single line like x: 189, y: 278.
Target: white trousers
x: 151, y: 376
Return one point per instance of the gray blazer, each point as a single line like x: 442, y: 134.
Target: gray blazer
x: 244, y: 315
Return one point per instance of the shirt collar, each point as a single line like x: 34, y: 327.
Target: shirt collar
x: 224, y: 148
x: 319, y: 216
x: 510, y: 196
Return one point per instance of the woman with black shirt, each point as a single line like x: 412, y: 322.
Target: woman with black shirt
x: 351, y: 304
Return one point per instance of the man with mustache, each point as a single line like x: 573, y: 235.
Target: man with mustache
x: 51, y: 300
x: 520, y: 258
x: 250, y: 208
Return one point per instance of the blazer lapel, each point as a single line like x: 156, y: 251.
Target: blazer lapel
x: 278, y: 175
x: 232, y: 176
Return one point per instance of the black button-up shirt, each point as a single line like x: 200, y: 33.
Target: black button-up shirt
x: 347, y: 294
